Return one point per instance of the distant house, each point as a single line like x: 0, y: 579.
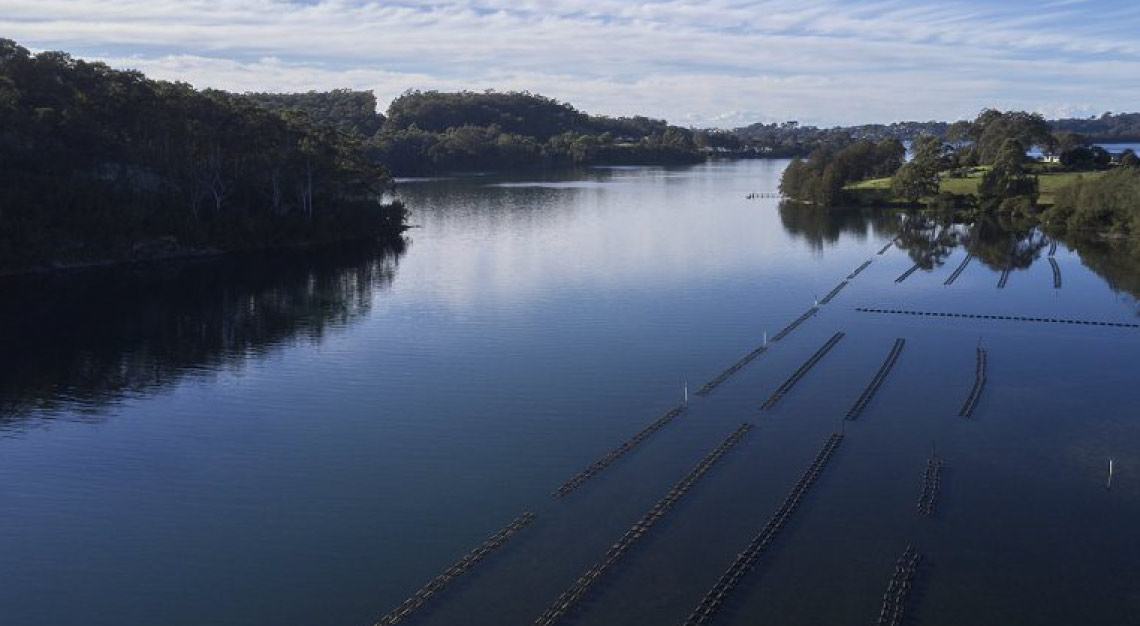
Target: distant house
x: 1050, y: 158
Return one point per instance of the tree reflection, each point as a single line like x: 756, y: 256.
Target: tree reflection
x: 1117, y: 261
x: 1002, y: 244
x: 822, y: 227
x: 999, y: 243
x: 79, y: 343
x: 928, y: 241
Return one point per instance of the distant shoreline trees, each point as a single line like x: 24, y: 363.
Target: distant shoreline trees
x: 1109, y: 127
x: 433, y: 132
x: 787, y: 139
x: 821, y: 178
x: 992, y: 150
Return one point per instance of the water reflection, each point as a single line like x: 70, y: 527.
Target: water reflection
x: 998, y: 243
x: 820, y: 228
x: 78, y: 343
x: 928, y: 241
x: 1114, y: 260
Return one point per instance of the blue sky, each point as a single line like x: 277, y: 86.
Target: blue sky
x: 705, y: 63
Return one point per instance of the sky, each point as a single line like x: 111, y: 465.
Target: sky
x: 722, y: 63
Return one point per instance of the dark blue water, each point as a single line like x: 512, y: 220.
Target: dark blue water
x: 309, y: 440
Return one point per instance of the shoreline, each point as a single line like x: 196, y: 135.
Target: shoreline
x: 185, y: 257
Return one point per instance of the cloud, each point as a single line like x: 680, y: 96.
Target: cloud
x: 698, y: 62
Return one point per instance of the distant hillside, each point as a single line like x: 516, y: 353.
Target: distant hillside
x: 794, y: 133
x: 1106, y: 128
x: 790, y: 136
x: 517, y: 113
x: 430, y: 132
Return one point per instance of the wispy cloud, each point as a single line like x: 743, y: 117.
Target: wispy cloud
x: 699, y: 62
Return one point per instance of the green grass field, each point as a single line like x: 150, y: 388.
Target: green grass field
x: 1049, y: 183
x: 871, y: 183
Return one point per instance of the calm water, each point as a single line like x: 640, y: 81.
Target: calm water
x: 310, y: 440
x: 1114, y: 148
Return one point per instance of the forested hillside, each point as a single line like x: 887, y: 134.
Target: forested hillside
x: 793, y: 139
x: 102, y: 165
x: 790, y: 139
x: 1109, y: 127
x: 431, y: 132
x: 428, y: 132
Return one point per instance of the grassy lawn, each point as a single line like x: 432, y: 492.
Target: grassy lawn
x: 1049, y: 183
x: 871, y: 183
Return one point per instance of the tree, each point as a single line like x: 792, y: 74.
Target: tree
x: 792, y: 181
x: 1008, y: 179
x: 959, y: 133
x: 350, y: 111
x: 915, y: 181
x: 1065, y: 141
x: 831, y: 167
x: 890, y: 154
x: 992, y: 128
x: 932, y: 153
x: 1086, y: 158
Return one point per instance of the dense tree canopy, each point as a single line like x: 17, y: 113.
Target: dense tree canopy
x: 1107, y: 203
x: 511, y: 112
x: 514, y: 113
x: 1086, y: 158
x: 1008, y: 184
x: 992, y: 128
x: 919, y: 178
x: 350, y: 111
x: 914, y: 181
x: 820, y: 179
x: 1065, y: 141
x: 98, y: 164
